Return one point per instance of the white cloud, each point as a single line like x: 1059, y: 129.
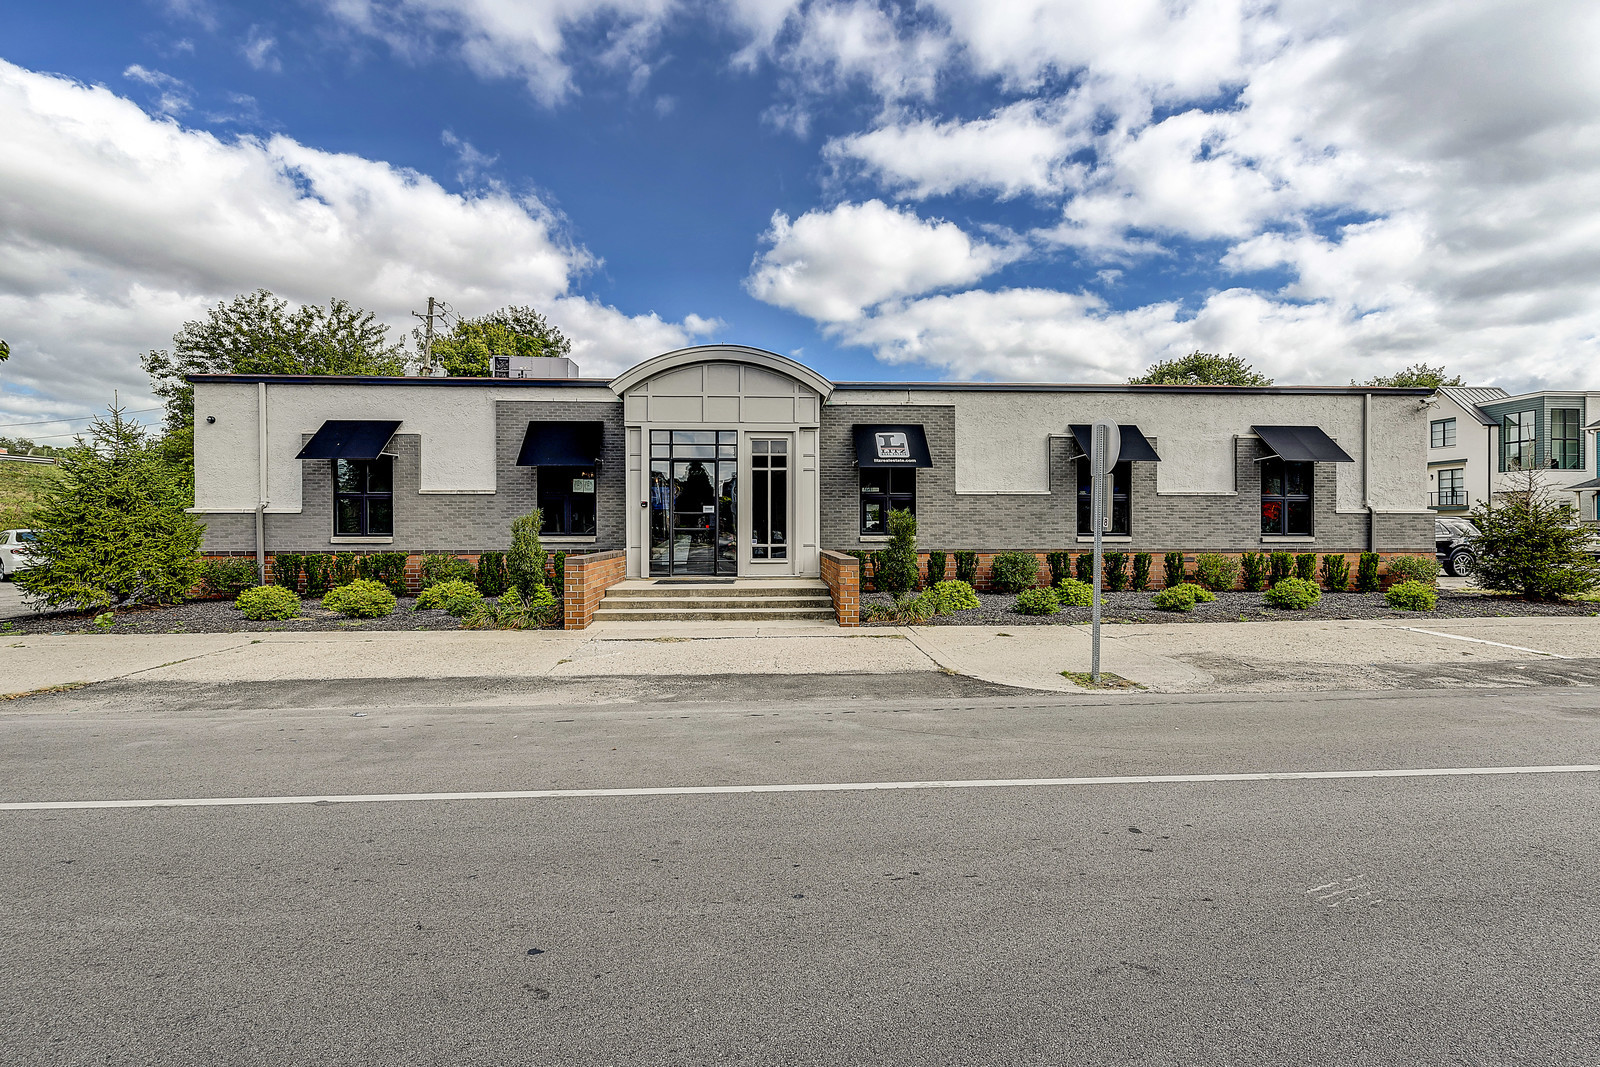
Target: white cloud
x: 832, y: 265
x: 173, y: 95
x: 116, y: 227
x: 258, y: 50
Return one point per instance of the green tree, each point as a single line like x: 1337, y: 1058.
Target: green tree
x: 525, y: 561
x: 113, y: 530
x: 1529, y: 543
x: 1201, y: 368
x: 1416, y: 376
x: 5, y: 351
x: 23, y: 446
x: 898, y: 573
x: 467, y: 350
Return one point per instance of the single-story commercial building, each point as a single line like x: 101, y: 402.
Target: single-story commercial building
x: 726, y: 461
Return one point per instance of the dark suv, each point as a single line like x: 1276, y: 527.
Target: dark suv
x: 1453, y: 543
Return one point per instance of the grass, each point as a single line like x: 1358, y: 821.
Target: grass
x: 1107, y: 680
x: 22, y: 489
x: 65, y: 687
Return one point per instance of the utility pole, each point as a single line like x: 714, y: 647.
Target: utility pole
x: 435, y: 308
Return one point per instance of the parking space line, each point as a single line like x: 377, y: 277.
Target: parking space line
x: 1481, y: 641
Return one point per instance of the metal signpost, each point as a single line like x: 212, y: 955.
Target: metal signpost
x: 1105, y: 442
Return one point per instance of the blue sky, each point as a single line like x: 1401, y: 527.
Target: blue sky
x: 1026, y: 189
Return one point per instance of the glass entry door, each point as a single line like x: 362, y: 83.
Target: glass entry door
x: 693, y: 482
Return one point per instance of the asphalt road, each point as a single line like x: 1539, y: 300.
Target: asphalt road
x: 1426, y: 920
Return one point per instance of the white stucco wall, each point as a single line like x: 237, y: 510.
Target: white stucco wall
x: 456, y: 425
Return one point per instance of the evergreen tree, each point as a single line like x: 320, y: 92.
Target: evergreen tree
x: 1529, y: 543
x: 113, y: 531
x: 525, y: 561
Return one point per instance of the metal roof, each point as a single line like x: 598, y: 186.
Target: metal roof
x: 1470, y: 396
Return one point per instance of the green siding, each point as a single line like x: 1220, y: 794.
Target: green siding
x: 1541, y: 406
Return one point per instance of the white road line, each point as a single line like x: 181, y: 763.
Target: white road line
x: 808, y: 787
x: 1481, y: 641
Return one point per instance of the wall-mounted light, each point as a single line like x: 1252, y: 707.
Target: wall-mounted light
x: 211, y: 418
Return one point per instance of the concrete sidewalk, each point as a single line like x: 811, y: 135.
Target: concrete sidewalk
x: 1200, y: 657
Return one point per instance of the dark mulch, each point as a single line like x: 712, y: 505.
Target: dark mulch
x: 996, y: 609
x: 221, y: 617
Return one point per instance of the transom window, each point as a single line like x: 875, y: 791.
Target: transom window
x: 567, y: 500
x: 1517, y: 441
x: 1566, y: 439
x: 769, y: 498
x: 363, y: 497
x: 1121, y: 483
x: 1442, y: 433
x: 1286, y: 491
x: 885, y: 489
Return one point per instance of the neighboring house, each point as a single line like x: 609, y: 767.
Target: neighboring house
x: 1478, y: 438
x: 725, y: 460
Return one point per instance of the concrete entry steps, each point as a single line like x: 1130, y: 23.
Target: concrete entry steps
x: 745, y: 600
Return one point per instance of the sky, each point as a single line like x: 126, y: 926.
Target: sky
x: 1038, y: 190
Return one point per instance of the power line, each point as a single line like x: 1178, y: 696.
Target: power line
x: 71, y: 418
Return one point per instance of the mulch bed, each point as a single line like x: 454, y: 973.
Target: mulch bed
x: 996, y: 609
x: 221, y: 617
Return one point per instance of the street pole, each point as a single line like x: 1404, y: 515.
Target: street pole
x: 1105, y: 442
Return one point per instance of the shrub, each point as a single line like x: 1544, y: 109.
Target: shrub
x: 1412, y: 596
x: 1305, y: 567
x: 1414, y: 569
x: 1280, y: 567
x: 1335, y: 572
x: 1037, y: 602
x: 267, y: 602
x: 1294, y: 594
x: 319, y: 573
x: 228, y: 577
x: 898, y: 571
x: 1083, y: 567
x: 1172, y: 569
x: 954, y: 595
x: 1060, y: 564
x: 454, y: 596
x: 1178, y: 597
x: 1141, y: 570
x: 287, y: 568
x: 875, y: 561
x: 491, y: 573
x: 1532, y: 545
x: 1367, y: 580
x: 439, y: 568
x: 558, y: 574
x: 1216, y: 572
x: 1255, y: 565
x: 360, y: 599
x: 1116, y: 570
x: 967, y: 568
x: 525, y: 561
x: 344, y: 568
x: 937, y: 562
x: 388, y: 569
x: 907, y: 608
x: 1202, y: 595
x: 513, y: 612
x: 1013, y: 572
x: 1073, y: 593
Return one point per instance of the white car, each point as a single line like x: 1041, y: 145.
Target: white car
x: 14, y: 551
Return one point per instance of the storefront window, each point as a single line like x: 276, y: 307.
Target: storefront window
x: 363, y: 497
x: 567, y: 499
x: 1286, y: 497
x: 885, y: 489
x: 1121, y: 485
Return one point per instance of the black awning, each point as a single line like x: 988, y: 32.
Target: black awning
x: 349, y: 439
x: 1135, y: 445
x: 892, y: 446
x: 1301, y: 443
x: 561, y: 444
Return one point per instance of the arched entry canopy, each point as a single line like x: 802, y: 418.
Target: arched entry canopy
x: 699, y: 354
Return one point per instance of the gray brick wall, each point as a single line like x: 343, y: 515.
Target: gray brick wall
x: 443, y: 522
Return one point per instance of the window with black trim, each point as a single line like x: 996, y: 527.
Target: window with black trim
x: 1518, y: 441
x: 1442, y: 433
x: 567, y: 499
x: 885, y: 489
x: 1286, y: 492
x: 363, y: 497
x: 1121, y: 491
x: 1566, y: 439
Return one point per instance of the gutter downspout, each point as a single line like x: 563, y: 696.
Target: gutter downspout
x: 261, y: 482
x: 1366, y: 472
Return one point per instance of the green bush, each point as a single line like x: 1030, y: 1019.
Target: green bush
x: 1256, y: 568
x: 1412, y: 596
x: 1180, y: 597
x: 1216, y: 572
x: 228, y: 577
x: 909, y: 608
x: 1116, y: 570
x: 525, y: 561
x: 1202, y: 595
x: 953, y: 595
x: 967, y: 568
x: 1305, y: 566
x: 1012, y: 572
x: 1367, y: 580
x: 360, y: 599
x: 513, y: 612
x: 388, y: 569
x: 491, y: 573
x: 1335, y: 572
x: 1531, y: 544
x: 558, y: 574
x: 1037, y: 602
x: 319, y: 573
x: 898, y: 570
x: 1073, y: 593
x: 1414, y: 569
x: 344, y: 568
x: 937, y: 561
x: 1294, y: 594
x: 1060, y: 564
x: 267, y: 602
x: 875, y: 565
x: 440, y: 568
x: 287, y: 568
x: 1172, y: 569
x: 1141, y: 570
x: 1279, y: 568
x: 1083, y: 567
x: 454, y: 596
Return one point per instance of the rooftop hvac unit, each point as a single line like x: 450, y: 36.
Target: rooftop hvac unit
x: 533, y: 367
